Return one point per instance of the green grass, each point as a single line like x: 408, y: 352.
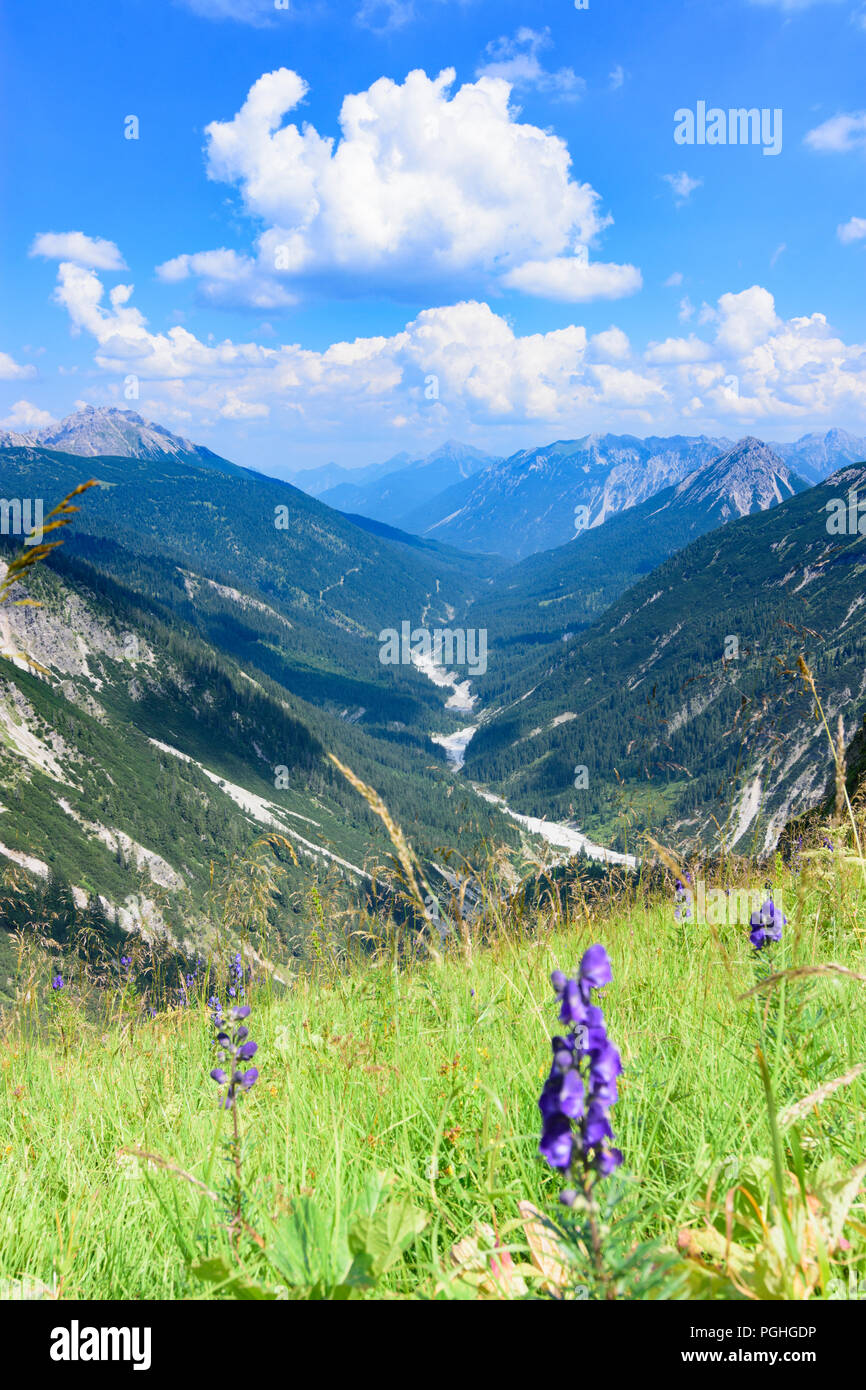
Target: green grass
x: 404, y: 1070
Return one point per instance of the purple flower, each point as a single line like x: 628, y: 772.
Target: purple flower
x: 606, y: 1161
x: 595, y: 971
x: 234, y: 1045
x: 597, y: 1125
x: 126, y: 962
x: 573, y: 1008
x: 683, y: 900
x: 766, y: 925
x: 581, y: 1085
x: 557, y: 1142
x: 57, y: 982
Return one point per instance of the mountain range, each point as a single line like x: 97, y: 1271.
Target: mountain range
x: 529, y: 501
x: 546, y: 598
x: 534, y: 499
x: 395, y: 495
x: 816, y: 456
x: 208, y: 635
x: 317, y: 480
x: 235, y: 620
x: 97, y: 430
x: 683, y: 702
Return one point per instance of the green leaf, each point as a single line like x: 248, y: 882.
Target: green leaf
x: 301, y: 1248
x: 234, y: 1283
x: 837, y: 1196
x: 384, y: 1236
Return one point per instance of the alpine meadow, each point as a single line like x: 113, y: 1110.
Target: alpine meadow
x: 433, y: 672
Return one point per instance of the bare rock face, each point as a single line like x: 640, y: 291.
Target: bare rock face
x: 528, y: 502
x: 107, y: 430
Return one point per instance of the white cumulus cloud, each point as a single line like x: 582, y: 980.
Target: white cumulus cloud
x: 611, y: 345
x: 852, y: 230
x: 516, y: 60
x: 227, y: 277
x: 755, y: 368
x: 689, y: 349
x: 573, y: 280
x: 76, y: 246
x: 25, y: 416
x: 746, y: 319
x: 839, y: 134
x: 682, y: 184
x: 10, y: 370
x: 425, y: 186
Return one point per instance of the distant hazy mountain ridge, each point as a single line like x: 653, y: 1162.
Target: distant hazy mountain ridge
x: 392, y: 496
x: 549, y: 596
x: 527, y: 502
x: 816, y: 456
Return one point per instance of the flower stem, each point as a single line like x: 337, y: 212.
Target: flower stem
x: 595, y: 1234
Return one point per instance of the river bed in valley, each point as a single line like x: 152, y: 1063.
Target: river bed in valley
x: 560, y: 835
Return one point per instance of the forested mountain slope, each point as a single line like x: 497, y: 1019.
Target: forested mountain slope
x: 683, y: 702
x: 134, y: 756
x: 533, y: 607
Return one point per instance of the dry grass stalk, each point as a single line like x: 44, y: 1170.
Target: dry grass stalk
x: 405, y: 855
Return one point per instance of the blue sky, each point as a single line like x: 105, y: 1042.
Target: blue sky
x: 308, y: 254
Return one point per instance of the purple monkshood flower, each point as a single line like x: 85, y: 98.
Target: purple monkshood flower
x: 594, y: 973
x: 766, y: 925
x: 126, y: 962
x: 683, y: 900
x: 234, y: 1046
x: 57, y: 982
x: 582, y: 1081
